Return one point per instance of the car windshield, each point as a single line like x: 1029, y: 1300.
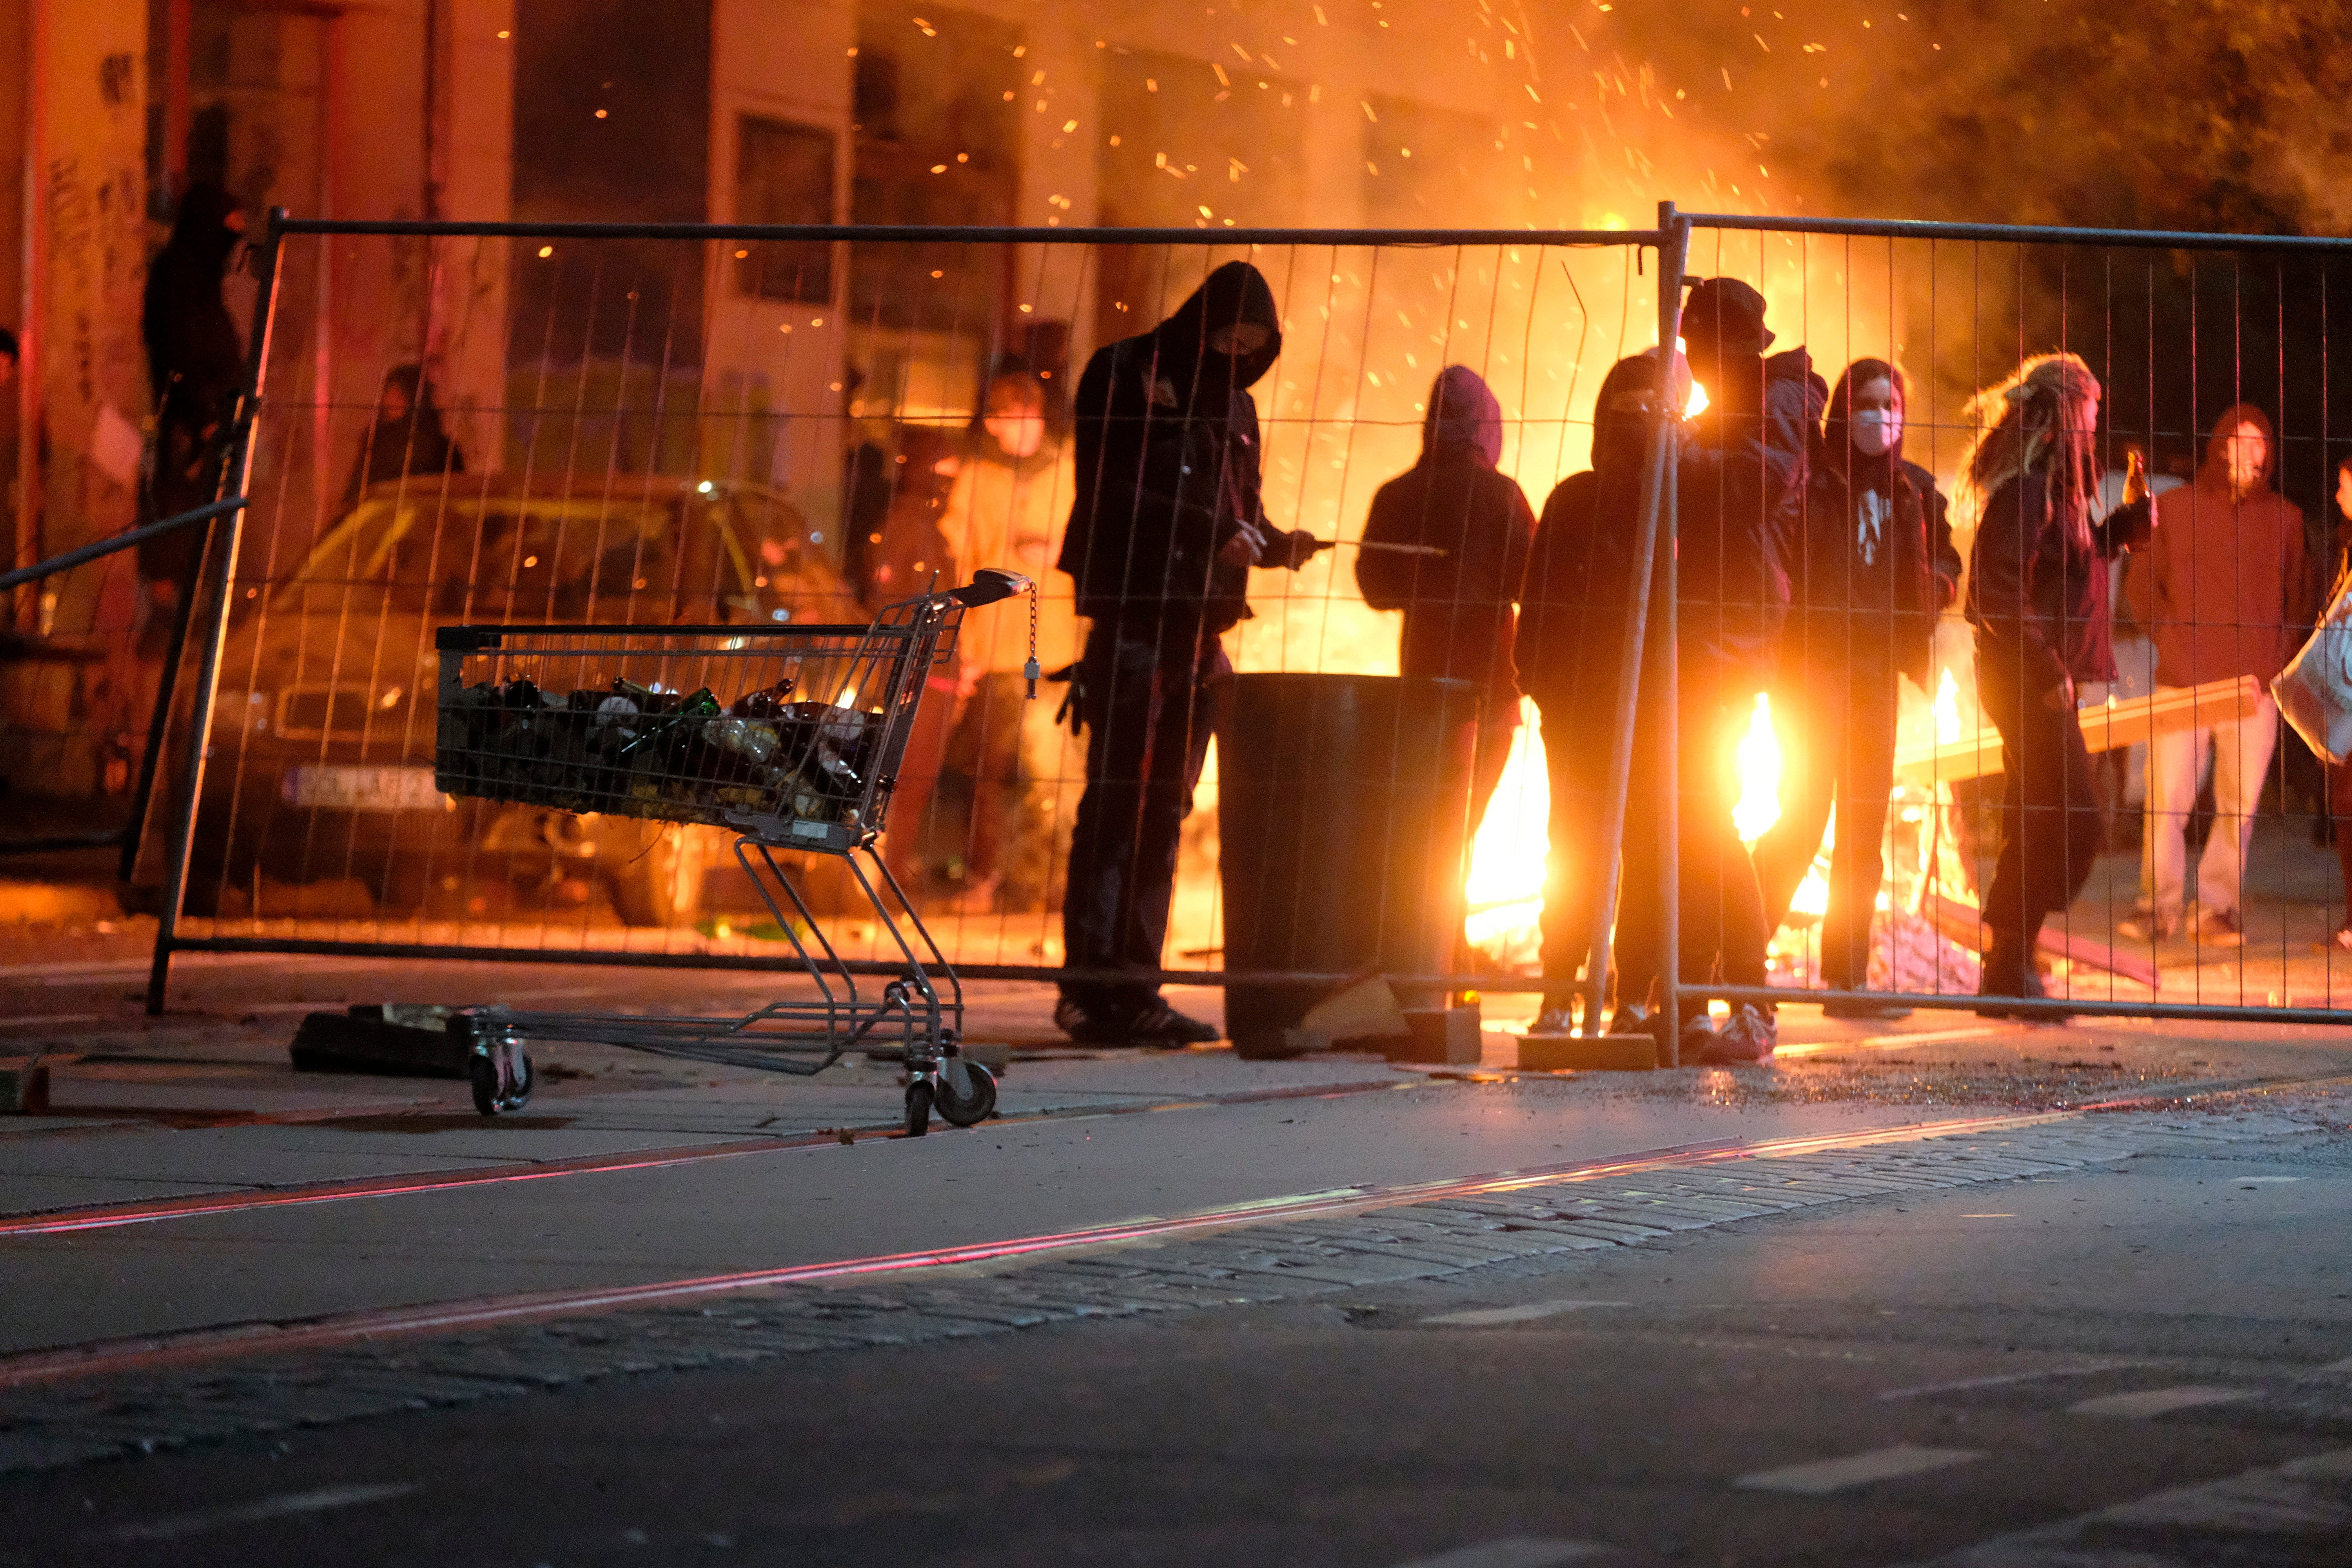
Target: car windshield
x: 511, y: 559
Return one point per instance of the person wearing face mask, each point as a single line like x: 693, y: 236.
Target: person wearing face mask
x: 2038, y: 599
x: 1166, y: 522
x: 2227, y: 561
x: 1006, y: 510
x: 1872, y: 569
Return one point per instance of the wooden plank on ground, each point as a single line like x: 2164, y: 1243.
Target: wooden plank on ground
x: 2106, y: 728
x: 1962, y: 921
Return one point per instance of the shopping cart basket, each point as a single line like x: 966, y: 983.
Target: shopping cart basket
x: 791, y: 736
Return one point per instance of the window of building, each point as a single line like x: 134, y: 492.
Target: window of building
x: 785, y: 173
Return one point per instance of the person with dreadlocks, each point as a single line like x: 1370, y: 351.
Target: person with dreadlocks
x: 1872, y: 567
x: 1167, y: 522
x: 2038, y: 600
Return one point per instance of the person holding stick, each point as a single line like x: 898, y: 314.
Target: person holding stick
x: 1472, y: 524
x: 1167, y: 522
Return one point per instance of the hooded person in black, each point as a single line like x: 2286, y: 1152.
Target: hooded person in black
x: 1167, y: 522
x: 1740, y: 485
x: 1574, y: 609
x: 1872, y: 567
x: 195, y: 367
x: 405, y: 436
x: 1457, y: 603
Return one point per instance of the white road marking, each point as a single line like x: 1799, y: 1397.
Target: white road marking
x: 2235, y: 1514
x: 1826, y: 1475
x: 1487, y: 1316
x: 2150, y: 1402
x: 2266, y: 1181
x: 2333, y: 1369
x: 1517, y: 1551
x: 2002, y: 1380
x: 51, y: 1018
x: 174, y: 1526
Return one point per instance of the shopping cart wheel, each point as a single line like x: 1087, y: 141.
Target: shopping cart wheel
x: 918, y: 1108
x: 502, y: 1078
x: 976, y: 1103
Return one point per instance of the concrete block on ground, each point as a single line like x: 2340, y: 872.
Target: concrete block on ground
x: 398, y: 1041
x: 1588, y: 1053
x: 1441, y: 1036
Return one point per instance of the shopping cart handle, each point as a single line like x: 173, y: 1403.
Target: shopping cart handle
x: 988, y: 585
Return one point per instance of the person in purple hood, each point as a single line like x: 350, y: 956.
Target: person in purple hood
x: 1446, y: 543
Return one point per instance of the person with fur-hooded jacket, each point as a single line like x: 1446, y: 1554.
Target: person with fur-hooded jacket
x: 195, y: 367
x: 1872, y: 569
x: 2226, y: 569
x: 1167, y: 522
x: 2037, y: 596
x: 1457, y: 601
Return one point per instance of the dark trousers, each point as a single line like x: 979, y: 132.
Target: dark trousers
x: 1149, y: 707
x: 1721, y: 914
x: 2052, y: 815
x: 1576, y: 764
x: 1836, y: 710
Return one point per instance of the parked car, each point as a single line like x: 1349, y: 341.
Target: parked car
x: 322, y: 739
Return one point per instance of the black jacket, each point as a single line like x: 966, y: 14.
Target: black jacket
x: 1578, y: 594
x: 2040, y: 605
x: 195, y: 365
x: 1925, y: 565
x: 1740, y: 507
x: 1168, y: 465
x: 1457, y: 607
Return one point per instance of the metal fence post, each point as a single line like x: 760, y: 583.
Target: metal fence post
x: 1673, y: 248
x: 1656, y: 506
x: 237, y: 473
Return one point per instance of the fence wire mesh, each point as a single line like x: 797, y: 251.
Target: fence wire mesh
x: 769, y: 428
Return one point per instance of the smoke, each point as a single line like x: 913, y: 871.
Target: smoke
x: 2227, y: 114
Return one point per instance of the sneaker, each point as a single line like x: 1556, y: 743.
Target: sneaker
x: 1554, y: 1022
x: 1837, y: 1006
x: 1091, y: 1026
x: 1161, y: 1025
x: 2151, y: 926
x: 2220, y: 928
x: 1749, y: 1035
x: 1156, y: 1024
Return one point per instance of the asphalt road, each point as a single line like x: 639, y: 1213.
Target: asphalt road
x: 2143, y: 1359
x: 1892, y: 1301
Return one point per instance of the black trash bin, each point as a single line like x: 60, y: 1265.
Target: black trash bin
x: 1342, y: 808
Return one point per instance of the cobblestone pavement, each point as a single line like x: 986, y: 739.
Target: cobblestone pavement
x: 1555, y: 1227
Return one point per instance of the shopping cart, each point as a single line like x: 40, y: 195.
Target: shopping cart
x: 800, y: 753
